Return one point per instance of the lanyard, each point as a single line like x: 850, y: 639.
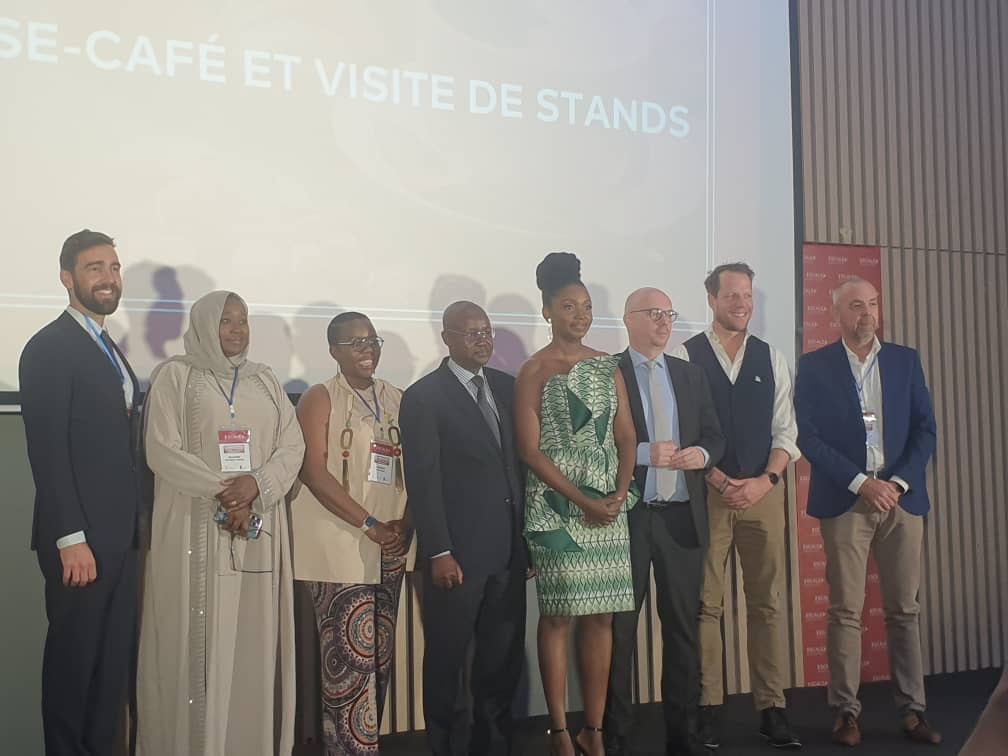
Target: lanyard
x: 860, y: 384
x: 376, y: 411
x: 230, y: 399
x: 104, y: 347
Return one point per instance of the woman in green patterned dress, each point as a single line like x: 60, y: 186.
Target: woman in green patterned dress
x: 576, y: 434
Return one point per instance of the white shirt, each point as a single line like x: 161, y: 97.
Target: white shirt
x: 868, y: 382
x: 91, y: 328
x: 783, y: 425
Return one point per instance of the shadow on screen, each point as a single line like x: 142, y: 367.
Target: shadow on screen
x: 156, y: 301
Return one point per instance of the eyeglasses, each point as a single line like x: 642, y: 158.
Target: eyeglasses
x: 361, y: 343
x: 657, y: 315
x: 471, y: 337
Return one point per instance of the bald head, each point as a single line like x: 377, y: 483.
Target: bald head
x: 646, y: 299
x: 458, y: 312
x: 468, y: 334
x: 647, y: 335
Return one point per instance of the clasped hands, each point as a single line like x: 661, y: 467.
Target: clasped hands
x: 669, y: 456
x: 236, y: 500
x: 881, y: 495
x: 393, y: 536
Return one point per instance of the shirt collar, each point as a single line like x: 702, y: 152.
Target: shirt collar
x: 855, y: 360
x: 639, y: 359
x: 715, y: 339
x: 83, y: 320
x: 464, y: 376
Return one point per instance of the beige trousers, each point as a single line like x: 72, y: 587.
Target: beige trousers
x: 894, y: 538
x: 757, y: 534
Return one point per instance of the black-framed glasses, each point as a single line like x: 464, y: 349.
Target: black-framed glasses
x: 471, y: 337
x: 658, y: 315
x: 362, y: 342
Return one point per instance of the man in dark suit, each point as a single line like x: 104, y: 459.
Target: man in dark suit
x: 78, y: 401
x: 678, y: 439
x: 466, y: 500
x: 866, y: 426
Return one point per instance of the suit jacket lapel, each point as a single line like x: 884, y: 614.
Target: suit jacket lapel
x: 461, y: 400
x: 681, y: 389
x: 633, y: 394
x: 131, y: 374
x: 503, y: 410
x: 886, y: 367
x: 94, y: 353
x: 844, y: 374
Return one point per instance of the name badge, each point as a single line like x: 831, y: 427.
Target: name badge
x: 235, y: 451
x: 381, y: 468
x: 872, y: 439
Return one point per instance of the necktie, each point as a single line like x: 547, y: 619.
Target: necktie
x: 110, y: 352
x: 665, y: 480
x: 484, y: 407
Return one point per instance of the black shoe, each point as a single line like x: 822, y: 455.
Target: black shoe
x: 775, y: 729
x: 709, y: 727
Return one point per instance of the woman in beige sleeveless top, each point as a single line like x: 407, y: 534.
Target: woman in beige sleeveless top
x: 351, y: 537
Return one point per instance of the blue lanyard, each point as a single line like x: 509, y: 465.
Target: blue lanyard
x: 93, y: 328
x: 860, y: 385
x: 230, y: 399
x: 374, y: 394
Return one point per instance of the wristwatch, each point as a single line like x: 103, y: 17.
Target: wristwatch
x: 369, y: 522
x: 774, y: 477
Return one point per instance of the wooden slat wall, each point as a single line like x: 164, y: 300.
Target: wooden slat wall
x: 903, y: 121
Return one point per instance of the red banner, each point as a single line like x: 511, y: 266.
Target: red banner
x: 826, y: 266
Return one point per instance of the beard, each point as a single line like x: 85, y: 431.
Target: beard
x: 91, y: 301
x: 866, y: 330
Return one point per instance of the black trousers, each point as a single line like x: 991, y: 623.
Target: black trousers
x: 665, y: 539
x: 89, y: 655
x: 488, y: 614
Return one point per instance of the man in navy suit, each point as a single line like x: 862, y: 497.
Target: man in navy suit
x: 78, y: 401
x: 866, y: 425
x: 466, y: 499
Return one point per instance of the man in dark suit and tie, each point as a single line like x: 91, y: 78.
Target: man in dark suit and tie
x: 678, y: 439
x: 866, y: 426
x: 78, y: 396
x: 466, y: 499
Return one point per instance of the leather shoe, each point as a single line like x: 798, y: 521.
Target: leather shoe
x: 919, y: 730
x: 845, y: 730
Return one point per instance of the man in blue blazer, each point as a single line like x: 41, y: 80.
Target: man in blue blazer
x: 866, y: 425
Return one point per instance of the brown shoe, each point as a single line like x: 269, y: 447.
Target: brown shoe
x: 846, y: 731
x: 919, y: 730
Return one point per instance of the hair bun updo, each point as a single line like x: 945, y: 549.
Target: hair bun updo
x: 557, y: 270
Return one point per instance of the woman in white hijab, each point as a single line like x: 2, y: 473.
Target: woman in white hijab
x: 216, y: 666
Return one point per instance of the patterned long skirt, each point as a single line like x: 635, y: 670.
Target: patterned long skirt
x: 356, y: 627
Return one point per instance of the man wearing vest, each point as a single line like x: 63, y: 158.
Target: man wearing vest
x: 751, y: 384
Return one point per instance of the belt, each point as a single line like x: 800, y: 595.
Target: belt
x: 659, y: 504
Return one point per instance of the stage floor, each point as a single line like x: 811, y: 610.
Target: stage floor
x: 954, y: 703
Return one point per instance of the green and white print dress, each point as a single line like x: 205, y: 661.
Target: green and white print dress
x: 580, y: 570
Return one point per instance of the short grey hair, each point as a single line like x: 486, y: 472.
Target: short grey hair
x: 852, y: 281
